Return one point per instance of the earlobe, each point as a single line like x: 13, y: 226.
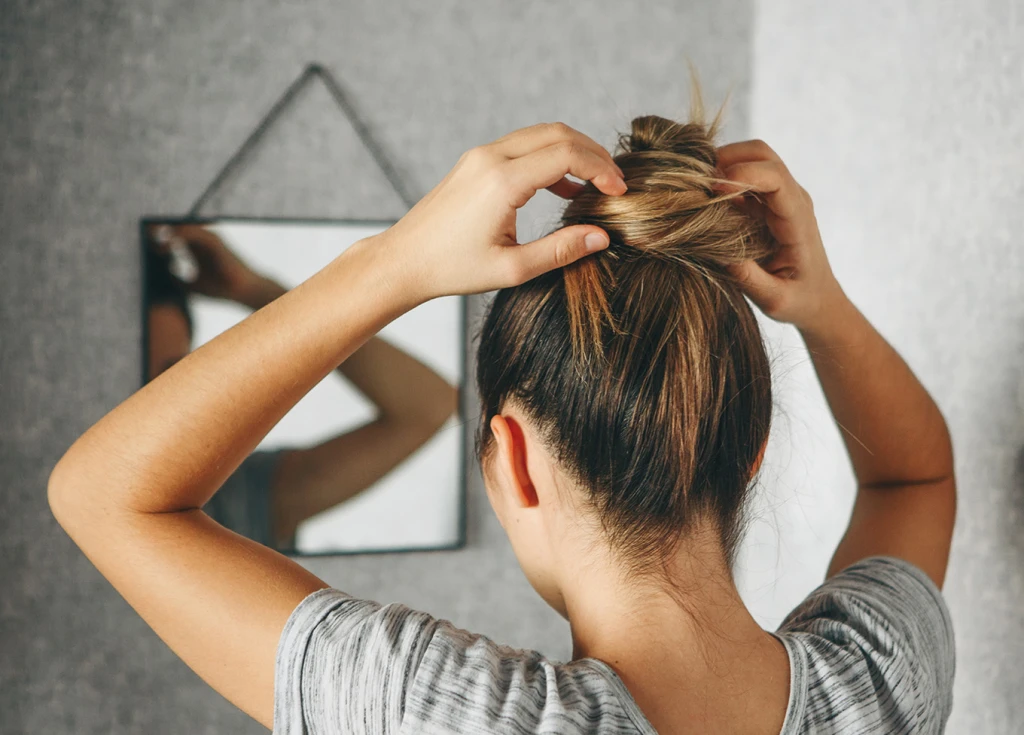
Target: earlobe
x: 511, y: 459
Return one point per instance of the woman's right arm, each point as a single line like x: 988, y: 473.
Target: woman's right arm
x: 895, y: 435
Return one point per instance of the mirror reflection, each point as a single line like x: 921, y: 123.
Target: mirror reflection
x: 372, y: 458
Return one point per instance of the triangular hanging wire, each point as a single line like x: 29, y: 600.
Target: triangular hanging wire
x: 311, y: 72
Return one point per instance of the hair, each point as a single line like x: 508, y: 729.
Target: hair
x: 642, y: 365
x: 163, y: 287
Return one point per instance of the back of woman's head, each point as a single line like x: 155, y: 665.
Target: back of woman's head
x: 642, y: 366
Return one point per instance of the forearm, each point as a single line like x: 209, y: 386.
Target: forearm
x: 402, y: 387
x: 893, y: 431
x: 173, y: 443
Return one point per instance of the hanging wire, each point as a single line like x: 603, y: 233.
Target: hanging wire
x: 337, y: 93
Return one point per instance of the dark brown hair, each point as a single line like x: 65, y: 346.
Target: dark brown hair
x: 163, y: 287
x: 642, y: 365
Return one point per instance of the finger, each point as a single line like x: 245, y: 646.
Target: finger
x: 162, y: 234
x: 772, y: 180
x: 561, y: 247
x: 197, y: 233
x: 751, y: 207
x: 744, y: 151
x: 566, y: 188
x: 759, y: 284
x: 527, y: 140
x: 548, y: 166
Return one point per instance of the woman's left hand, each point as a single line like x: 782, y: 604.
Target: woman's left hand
x: 461, y: 237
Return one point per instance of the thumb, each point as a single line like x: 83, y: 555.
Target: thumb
x: 760, y: 285
x: 561, y: 247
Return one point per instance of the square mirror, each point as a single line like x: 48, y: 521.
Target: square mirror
x: 372, y: 458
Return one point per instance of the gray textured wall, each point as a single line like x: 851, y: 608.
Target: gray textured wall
x: 900, y: 120
x: 111, y: 111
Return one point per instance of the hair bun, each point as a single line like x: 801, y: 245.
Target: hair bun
x: 692, y: 140
x: 671, y: 209
x: 671, y: 214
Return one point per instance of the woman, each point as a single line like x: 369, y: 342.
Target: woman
x: 626, y: 403
x: 272, y: 492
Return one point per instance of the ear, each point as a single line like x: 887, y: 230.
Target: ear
x: 510, y: 460
x: 760, y: 458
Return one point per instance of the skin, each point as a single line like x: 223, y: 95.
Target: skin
x: 169, y: 338
x: 412, y: 401
x: 129, y: 490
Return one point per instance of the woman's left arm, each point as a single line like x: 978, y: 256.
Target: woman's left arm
x: 130, y: 490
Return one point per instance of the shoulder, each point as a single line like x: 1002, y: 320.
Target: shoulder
x: 468, y: 683
x: 878, y: 639
x: 368, y: 667
x: 344, y: 664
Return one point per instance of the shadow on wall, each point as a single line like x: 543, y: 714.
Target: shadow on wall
x: 1011, y: 522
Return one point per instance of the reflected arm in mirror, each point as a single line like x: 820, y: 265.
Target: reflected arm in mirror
x: 411, y: 399
x: 413, y: 403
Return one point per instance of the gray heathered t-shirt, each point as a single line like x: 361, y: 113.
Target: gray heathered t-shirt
x: 871, y: 651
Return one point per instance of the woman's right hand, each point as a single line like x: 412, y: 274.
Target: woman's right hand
x: 796, y: 285
x: 461, y: 238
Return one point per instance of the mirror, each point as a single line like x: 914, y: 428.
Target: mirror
x: 372, y: 458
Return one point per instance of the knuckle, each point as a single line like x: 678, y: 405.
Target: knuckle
x: 563, y: 253
x: 808, y: 198
x: 560, y: 129
x: 568, y: 148
x: 780, y: 170
x: 477, y: 156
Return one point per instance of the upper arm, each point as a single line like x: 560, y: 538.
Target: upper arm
x: 910, y: 522
x: 346, y: 665
x: 882, y: 648
x: 312, y: 480
x: 217, y: 599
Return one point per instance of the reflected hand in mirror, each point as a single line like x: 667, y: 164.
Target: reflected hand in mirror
x: 279, y: 488
x: 219, y: 272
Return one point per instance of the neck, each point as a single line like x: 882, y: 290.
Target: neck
x: 686, y: 647
x: 692, y: 619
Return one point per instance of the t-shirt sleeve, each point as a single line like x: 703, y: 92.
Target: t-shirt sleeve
x: 885, y: 641
x: 344, y: 665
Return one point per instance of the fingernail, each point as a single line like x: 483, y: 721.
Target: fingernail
x: 595, y: 241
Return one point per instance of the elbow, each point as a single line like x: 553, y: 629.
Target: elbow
x: 948, y: 464
x: 65, y: 490
x: 428, y: 413
x: 433, y: 414
x: 56, y: 491
x: 446, y: 405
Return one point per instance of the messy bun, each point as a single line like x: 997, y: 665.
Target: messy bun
x: 642, y: 365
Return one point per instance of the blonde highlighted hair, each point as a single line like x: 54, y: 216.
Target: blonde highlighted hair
x: 643, y: 365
